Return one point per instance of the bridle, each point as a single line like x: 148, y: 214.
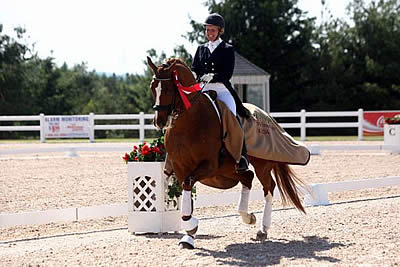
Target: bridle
x: 171, y: 107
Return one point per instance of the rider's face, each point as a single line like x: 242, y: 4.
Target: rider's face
x: 212, y: 32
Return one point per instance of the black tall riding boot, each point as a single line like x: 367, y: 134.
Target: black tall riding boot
x: 243, y: 165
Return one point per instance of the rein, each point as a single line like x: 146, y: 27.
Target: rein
x: 183, y: 91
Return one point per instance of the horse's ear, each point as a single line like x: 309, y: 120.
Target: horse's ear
x: 151, y: 64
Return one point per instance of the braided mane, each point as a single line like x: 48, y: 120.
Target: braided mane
x: 178, y: 61
x: 187, y: 79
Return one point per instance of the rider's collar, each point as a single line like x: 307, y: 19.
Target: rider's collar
x: 213, y: 45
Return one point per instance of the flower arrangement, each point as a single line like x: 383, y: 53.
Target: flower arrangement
x: 155, y: 151
x: 393, y: 120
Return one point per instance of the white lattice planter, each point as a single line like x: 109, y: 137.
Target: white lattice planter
x: 148, y: 210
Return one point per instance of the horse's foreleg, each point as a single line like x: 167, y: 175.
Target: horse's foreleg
x: 243, y: 206
x: 188, y: 223
x: 262, y: 234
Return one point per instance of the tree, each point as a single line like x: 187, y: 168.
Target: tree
x: 359, y: 59
x: 375, y: 46
x: 275, y: 35
x: 13, y: 72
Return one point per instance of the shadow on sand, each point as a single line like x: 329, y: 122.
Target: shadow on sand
x: 178, y: 236
x: 271, y: 252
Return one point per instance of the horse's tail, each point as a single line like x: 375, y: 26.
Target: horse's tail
x: 287, y: 182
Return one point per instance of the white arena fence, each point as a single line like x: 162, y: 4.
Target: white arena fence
x: 71, y: 150
x: 316, y: 196
x: 142, y: 125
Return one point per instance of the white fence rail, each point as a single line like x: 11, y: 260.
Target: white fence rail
x: 317, y: 196
x: 142, y: 126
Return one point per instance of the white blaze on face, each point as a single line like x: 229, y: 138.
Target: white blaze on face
x: 158, y: 94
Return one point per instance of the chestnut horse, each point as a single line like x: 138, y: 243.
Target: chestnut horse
x: 193, y: 141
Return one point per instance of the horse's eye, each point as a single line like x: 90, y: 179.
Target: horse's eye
x: 165, y: 65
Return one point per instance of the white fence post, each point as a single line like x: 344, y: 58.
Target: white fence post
x: 303, y: 125
x: 141, y: 130
x: 360, y: 124
x: 91, y: 127
x: 42, y: 122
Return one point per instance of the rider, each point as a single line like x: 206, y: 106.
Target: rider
x: 214, y: 62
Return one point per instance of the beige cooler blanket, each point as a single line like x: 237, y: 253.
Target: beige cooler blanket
x: 264, y: 137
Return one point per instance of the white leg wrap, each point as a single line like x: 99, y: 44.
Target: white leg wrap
x: 189, y: 224
x: 243, y: 205
x: 266, y: 220
x: 186, y: 203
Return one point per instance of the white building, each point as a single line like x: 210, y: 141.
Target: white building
x: 251, y: 83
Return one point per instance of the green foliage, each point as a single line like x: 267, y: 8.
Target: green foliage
x: 337, y: 65
x: 175, y: 190
x: 275, y: 35
x: 14, y: 72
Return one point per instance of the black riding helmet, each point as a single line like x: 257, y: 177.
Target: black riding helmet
x: 215, y: 19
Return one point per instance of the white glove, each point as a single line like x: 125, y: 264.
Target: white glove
x: 207, y: 77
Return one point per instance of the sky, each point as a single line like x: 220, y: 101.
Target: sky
x: 114, y: 36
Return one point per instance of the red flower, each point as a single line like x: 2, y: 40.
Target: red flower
x: 155, y: 151
x: 145, y: 150
x: 126, y: 157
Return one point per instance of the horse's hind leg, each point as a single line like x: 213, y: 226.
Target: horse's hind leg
x: 262, y: 234
x: 263, y: 170
x: 243, y: 206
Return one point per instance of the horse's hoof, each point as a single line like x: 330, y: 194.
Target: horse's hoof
x: 187, y: 242
x: 184, y: 245
x: 252, y: 218
x: 261, y: 236
x: 249, y: 218
x: 193, y: 231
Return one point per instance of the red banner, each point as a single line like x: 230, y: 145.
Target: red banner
x: 374, y: 121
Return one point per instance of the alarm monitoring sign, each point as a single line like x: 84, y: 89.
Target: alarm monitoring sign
x: 67, y: 126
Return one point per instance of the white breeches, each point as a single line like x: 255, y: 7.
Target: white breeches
x: 223, y: 95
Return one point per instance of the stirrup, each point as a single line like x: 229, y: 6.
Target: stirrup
x: 243, y: 165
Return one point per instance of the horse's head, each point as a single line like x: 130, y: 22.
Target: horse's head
x: 165, y: 94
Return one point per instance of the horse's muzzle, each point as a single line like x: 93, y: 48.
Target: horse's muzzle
x: 161, y: 107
